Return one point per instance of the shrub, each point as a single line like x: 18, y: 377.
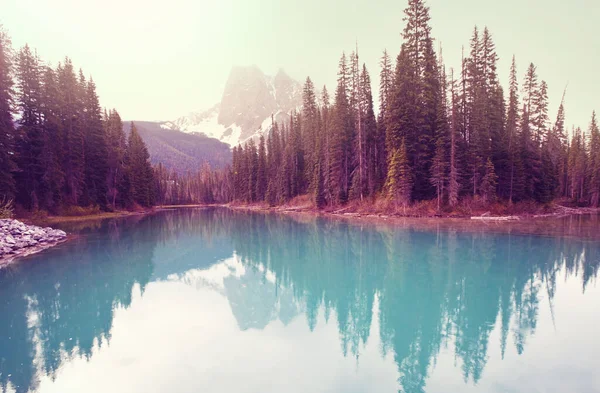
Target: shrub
x: 7, y: 209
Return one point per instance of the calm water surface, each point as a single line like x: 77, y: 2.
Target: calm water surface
x: 219, y: 301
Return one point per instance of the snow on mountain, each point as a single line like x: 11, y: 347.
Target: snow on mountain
x: 248, y: 103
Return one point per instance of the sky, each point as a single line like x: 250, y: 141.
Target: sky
x: 158, y: 60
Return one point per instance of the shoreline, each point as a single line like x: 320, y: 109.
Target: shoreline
x: 18, y: 240
x: 44, y: 223
x: 565, y: 224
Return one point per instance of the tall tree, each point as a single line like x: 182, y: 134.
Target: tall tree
x: 512, y: 127
x: 594, y: 162
x: 261, y: 175
x: 399, y: 179
x: 7, y: 131
x: 140, y: 171
x: 96, y: 149
x: 30, y: 142
x: 70, y: 95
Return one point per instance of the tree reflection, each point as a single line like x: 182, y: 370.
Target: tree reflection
x: 431, y: 289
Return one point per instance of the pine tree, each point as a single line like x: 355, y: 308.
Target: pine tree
x: 399, y: 180
x: 512, y: 127
x: 310, y: 118
x: 30, y: 142
x: 340, y: 132
x: 140, y: 173
x: 594, y: 162
x: 96, y: 150
x: 489, y: 182
x: 70, y: 95
x: 7, y: 132
x: 453, y: 182
x: 373, y: 139
x: 53, y: 177
x: 261, y: 176
x: 117, y: 182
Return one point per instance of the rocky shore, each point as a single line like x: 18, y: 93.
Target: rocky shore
x: 19, y: 239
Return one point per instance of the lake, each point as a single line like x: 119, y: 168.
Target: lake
x: 214, y: 300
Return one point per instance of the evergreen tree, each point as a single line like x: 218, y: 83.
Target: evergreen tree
x: 453, y: 182
x: 489, y: 182
x: 96, y: 150
x: 310, y: 119
x: 340, y: 132
x: 118, y: 192
x: 512, y: 127
x: 7, y: 131
x: 53, y: 177
x: 30, y: 140
x: 399, y: 180
x: 70, y: 95
x: 140, y: 173
x: 261, y: 176
x: 594, y: 162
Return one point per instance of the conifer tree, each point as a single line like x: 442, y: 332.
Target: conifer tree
x: 30, y: 142
x: 594, y: 162
x: 140, y: 173
x: 512, y: 127
x: 489, y: 182
x: 310, y: 118
x: 70, y: 96
x: 261, y: 176
x: 7, y: 132
x: 340, y: 132
x: 453, y: 182
x: 53, y: 177
x: 96, y: 150
x: 117, y: 182
x: 399, y: 181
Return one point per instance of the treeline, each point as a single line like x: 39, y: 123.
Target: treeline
x: 63, y: 150
x: 438, y: 135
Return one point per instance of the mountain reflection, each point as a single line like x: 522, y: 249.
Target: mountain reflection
x: 429, y: 290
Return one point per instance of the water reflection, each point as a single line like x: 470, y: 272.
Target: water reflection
x: 424, y: 291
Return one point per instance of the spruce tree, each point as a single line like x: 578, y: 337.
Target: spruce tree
x: 310, y: 118
x: 453, y: 181
x: 96, y: 150
x: 512, y: 127
x: 489, y: 182
x: 53, y: 177
x: 140, y: 173
x: 70, y: 102
x: 594, y: 162
x: 30, y: 141
x: 7, y: 131
x: 399, y: 181
x: 261, y: 176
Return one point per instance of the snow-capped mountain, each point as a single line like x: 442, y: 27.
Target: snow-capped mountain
x: 249, y: 101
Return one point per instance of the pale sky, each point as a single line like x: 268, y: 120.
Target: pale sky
x: 160, y: 59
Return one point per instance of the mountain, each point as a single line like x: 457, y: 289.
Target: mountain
x: 249, y: 100
x: 181, y: 151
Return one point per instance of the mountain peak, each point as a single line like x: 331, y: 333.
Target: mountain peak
x: 249, y: 100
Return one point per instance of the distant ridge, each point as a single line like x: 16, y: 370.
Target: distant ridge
x: 179, y: 151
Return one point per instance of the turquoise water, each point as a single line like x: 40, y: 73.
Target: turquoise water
x: 212, y: 300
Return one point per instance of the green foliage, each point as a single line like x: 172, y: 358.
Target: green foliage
x: 6, y: 208
x: 489, y: 183
x: 399, y: 180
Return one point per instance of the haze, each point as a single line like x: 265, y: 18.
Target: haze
x: 157, y: 60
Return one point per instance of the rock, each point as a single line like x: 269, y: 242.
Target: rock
x: 17, y: 238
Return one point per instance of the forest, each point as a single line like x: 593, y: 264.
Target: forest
x: 449, y: 137
x: 64, y: 154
